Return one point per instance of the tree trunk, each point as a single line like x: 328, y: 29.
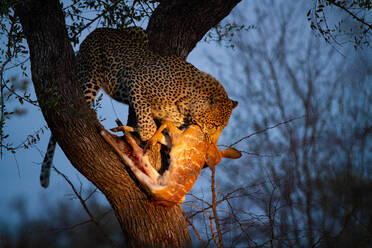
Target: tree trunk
x: 75, y: 125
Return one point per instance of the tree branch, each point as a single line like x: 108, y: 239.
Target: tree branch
x: 266, y: 128
x: 179, y: 24
x: 337, y: 4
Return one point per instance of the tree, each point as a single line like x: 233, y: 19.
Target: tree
x: 174, y: 28
x: 75, y: 125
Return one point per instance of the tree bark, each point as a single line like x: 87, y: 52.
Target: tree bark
x: 76, y: 127
x: 177, y: 25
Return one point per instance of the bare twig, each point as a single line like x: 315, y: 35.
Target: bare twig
x: 229, y: 195
x: 91, y: 194
x: 212, y: 230
x: 67, y: 228
x: 201, y: 200
x: 267, y: 128
x: 210, y: 218
x: 12, y: 91
x: 214, y: 207
x: 337, y: 4
x: 236, y: 219
x: 196, y: 231
x: 2, y: 84
x: 18, y: 64
x: 83, y: 203
x: 30, y: 138
x: 97, y: 17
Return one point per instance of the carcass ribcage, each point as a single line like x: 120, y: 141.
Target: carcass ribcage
x: 187, y: 158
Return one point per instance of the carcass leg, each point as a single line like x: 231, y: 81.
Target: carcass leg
x: 160, y: 137
x: 146, y: 180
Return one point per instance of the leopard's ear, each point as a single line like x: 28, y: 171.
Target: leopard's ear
x: 235, y: 103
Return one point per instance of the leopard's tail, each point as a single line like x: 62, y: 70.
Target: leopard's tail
x: 47, y: 163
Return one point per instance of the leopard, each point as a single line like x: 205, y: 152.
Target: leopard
x: 158, y: 88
